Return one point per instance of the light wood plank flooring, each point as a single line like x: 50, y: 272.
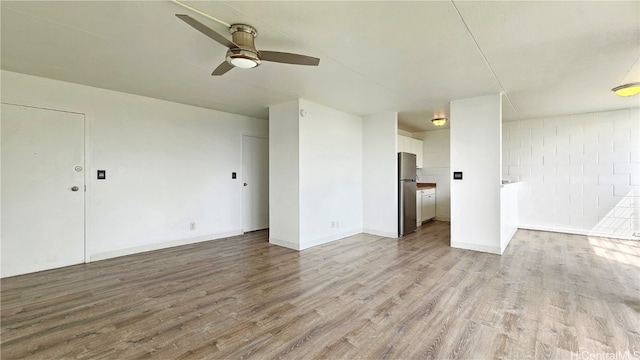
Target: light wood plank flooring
x: 549, y: 296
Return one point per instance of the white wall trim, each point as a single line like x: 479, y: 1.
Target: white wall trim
x: 284, y: 243
x: 21, y: 269
x: 380, y: 233
x: 163, y: 245
x: 476, y: 247
x: 328, y: 239
x: 506, y: 243
x: 576, y: 232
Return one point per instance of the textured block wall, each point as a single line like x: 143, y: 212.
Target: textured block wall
x: 579, y: 173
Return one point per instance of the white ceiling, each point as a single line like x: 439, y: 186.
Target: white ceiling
x: 549, y: 58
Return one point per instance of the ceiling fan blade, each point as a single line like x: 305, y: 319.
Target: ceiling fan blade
x: 288, y: 58
x: 222, y: 69
x: 206, y: 30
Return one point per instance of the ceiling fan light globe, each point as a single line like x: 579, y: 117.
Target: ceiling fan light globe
x: 243, y: 63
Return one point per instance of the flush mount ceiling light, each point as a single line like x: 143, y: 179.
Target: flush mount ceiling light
x: 627, y: 89
x: 243, y: 63
x: 439, y: 121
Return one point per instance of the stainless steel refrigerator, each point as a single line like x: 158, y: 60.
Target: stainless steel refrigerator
x: 406, y: 193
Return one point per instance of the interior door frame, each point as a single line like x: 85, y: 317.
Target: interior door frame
x: 86, y: 151
x: 261, y: 135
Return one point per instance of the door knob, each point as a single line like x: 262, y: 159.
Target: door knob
x: 75, y: 188
x: 245, y: 184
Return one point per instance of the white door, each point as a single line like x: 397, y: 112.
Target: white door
x: 255, y: 177
x: 42, y: 189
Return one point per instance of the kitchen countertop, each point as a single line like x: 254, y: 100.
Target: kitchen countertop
x: 507, y: 182
x: 422, y: 186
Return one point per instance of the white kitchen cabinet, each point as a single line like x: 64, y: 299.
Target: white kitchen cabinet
x: 412, y: 146
x: 416, y: 148
x: 418, y: 207
x: 428, y: 204
x: 404, y: 144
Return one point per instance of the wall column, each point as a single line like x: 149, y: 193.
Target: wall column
x: 476, y: 142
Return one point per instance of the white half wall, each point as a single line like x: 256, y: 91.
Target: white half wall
x: 476, y: 151
x: 579, y: 173
x: 284, y: 175
x: 167, y: 164
x: 380, y: 182
x: 509, y: 213
x: 330, y: 174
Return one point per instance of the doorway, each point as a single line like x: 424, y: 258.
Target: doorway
x: 255, y: 178
x: 42, y: 189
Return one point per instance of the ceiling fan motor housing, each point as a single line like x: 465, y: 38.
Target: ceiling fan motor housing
x: 243, y: 36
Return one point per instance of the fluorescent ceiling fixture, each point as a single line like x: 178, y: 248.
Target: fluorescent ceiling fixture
x: 439, y: 121
x: 243, y: 63
x: 627, y: 89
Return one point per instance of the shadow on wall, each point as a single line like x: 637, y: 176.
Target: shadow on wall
x: 622, y: 220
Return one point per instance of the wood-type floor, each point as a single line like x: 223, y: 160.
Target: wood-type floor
x: 549, y: 296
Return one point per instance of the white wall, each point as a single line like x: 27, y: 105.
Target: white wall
x: 167, y: 164
x: 330, y: 174
x: 475, y: 150
x: 316, y: 162
x: 436, y: 168
x: 380, y: 181
x: 284, y: 179
x: 580, y: 173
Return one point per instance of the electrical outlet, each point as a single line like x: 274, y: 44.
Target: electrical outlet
x: 333, y: 224
x: 192, y: 226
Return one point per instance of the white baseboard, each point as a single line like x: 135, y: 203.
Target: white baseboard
x: 9, y: 269
x: 328, y: 239
x: 509, y: 237
x: 475, y: 247
x: 315, y: 242
x: 576, y: 232
x: 163, y: 245
x: 393, y: 235
x: 284, y: 243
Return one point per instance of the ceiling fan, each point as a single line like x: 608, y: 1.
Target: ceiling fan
x: 242, y: 52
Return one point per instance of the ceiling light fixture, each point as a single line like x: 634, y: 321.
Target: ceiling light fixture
x: 243, y: 63
x: 627, y: 89
x: 439, y: 121
x: 245, y: 56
